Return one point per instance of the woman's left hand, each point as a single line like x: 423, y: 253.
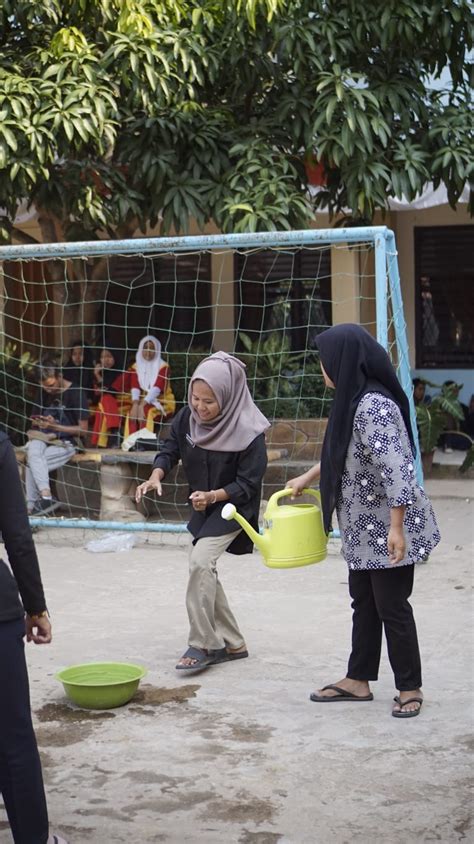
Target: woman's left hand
x: 200, y: 500
x: 396, y: 545
x: 47, y: 422
x: 38, y: 630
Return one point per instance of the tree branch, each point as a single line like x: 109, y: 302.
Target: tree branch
x: 127, y: 229
x: 47, y: 225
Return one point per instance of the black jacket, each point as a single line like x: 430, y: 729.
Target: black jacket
x: 240, y: 473
x: 18, y: 541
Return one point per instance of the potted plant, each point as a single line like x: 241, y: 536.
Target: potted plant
x: 17, y: 391
x: 468, y: 461
x: 436, y: 418
x: 289, y: 389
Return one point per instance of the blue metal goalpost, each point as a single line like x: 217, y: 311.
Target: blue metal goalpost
x: 390, y: 320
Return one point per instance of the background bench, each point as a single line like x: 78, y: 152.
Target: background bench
x: 100, y: 484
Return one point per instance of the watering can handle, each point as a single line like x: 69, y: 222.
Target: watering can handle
x: 273, y: 502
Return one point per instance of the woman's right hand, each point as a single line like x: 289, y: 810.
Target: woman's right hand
x: 153, y: 483
x: 136, y: 411
x: 297, y: 485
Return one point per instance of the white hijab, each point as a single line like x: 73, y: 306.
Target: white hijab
x: 148, y: 370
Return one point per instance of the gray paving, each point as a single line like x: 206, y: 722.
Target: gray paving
x: 239, y: 753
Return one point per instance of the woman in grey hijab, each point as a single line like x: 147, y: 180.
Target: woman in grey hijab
x: 219, y: 437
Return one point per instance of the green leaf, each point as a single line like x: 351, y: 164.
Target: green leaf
x: 17, y: 108
x: 78, y: 124
x: 241, y: 206
x: 346, y: 140
x: 9, y: 137
x: 331, y: 106
x: 68, y: 129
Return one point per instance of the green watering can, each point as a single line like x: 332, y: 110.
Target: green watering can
x: 293, y: 533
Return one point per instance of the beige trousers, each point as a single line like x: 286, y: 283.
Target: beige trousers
x: 211, y: 622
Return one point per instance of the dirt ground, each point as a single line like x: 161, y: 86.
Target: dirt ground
x: 239, y: 753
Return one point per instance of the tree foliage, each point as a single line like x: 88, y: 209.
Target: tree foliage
x: 119, y: 114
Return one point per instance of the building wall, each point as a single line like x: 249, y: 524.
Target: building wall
x: 403, y: 223
x: 353, y: 280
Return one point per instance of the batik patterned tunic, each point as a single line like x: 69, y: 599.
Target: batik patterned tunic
x: 379, y: 474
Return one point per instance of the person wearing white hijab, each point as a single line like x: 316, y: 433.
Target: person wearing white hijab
x: 150, y: 389
x: 219, y: 438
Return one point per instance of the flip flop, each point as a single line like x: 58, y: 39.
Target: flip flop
x: 223, y: 655
x: 341, y: 695
x: 413, y: 713
x: 203, y: 660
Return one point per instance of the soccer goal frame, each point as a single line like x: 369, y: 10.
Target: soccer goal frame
x: 389, y: 314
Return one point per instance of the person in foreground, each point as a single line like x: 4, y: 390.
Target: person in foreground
x: 21, y: 780
x: 220, y: 440
x: 386, y: 522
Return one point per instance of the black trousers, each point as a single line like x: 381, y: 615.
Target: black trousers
x: 21, y: 780
x: 380, y: 599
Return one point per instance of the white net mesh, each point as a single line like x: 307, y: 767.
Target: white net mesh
x: 87, y: 316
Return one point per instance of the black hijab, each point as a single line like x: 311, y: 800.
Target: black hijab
x: 110, y: 374
x: 357, y: 365
x: 81, y: 376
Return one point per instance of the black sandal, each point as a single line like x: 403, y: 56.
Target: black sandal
x: 223, y: 655
x: 401, y: 713
x: 203, y: 660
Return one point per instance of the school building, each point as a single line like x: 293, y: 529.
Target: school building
x: 211, y: 297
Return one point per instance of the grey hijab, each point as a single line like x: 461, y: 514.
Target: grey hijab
x: 239, y: 421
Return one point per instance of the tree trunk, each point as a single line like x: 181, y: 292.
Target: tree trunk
x: 74, y: 288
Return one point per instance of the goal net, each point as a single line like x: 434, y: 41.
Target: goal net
x: 89, y: 314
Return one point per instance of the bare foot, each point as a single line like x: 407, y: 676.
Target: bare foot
x: 191, y: 661
x: 188, y: 662
x: 360, y: 688
x: 414, y: 706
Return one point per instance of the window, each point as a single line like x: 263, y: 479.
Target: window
x: 284, y: 288
x: 444, y: 289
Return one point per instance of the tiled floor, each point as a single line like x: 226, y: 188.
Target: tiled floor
x: 454, y: 459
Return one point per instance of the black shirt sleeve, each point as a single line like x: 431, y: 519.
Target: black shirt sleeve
x: 250, y: 471
x: 17, y: 537
x: 170, y: 452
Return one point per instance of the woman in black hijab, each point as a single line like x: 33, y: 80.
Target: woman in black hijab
x: 79, y: 368
x: 110, y: 397
x: 386, y: 522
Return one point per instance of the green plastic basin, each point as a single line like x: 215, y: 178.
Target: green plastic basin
x: 101, y: 685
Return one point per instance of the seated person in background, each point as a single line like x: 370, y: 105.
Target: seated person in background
x: 152, y: 399
x: 419, y: 392
x: 79, y: 368
x: 60, y: 416
x: 110, y: 388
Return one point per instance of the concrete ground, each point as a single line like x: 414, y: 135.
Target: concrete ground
x: 239, y: 753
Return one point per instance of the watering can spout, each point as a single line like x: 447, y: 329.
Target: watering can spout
x: 229, y: 512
